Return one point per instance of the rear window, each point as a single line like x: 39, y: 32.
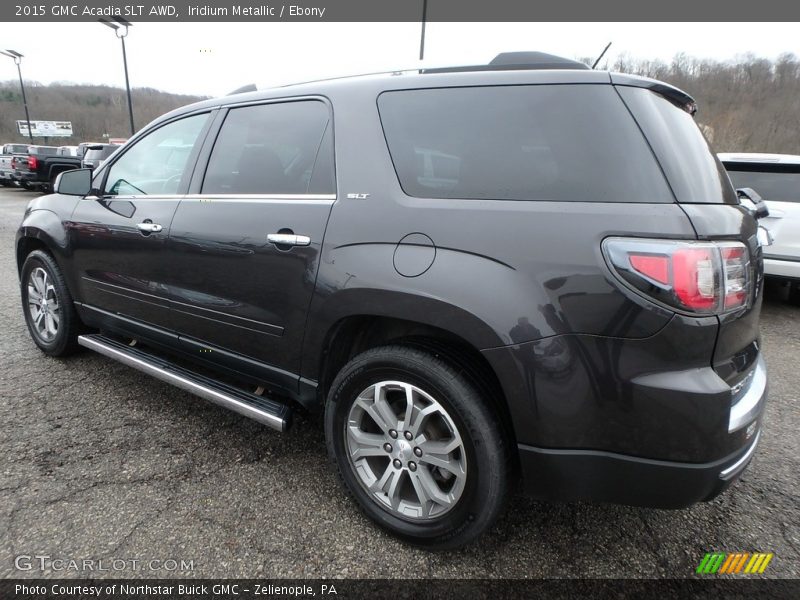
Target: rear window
x: 782, y: 185
x: 532, y: 142
x: 44, y: 151
x: 692, y: 168
x: 104, y: 153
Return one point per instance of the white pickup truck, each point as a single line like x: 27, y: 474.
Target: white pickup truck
x: 8, y: 150
x: 776, y: 178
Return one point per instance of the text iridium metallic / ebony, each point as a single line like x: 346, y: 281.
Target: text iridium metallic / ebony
x: 528, y: 285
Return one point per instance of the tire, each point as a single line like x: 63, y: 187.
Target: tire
x: 39, y: 272
x: 459, y: 423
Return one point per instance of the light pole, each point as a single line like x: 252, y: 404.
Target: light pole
x: 17, y: 60
x: 121, y: 30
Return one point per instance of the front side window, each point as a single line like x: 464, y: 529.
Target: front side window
x: 282, y: 148
x: 155, y: 164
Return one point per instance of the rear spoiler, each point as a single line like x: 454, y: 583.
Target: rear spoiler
x: 676, y: 95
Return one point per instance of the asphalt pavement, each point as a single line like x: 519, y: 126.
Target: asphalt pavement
x: 101, y: 463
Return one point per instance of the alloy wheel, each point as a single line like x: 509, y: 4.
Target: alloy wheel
x: 406, y: 450
x: 43, y: 304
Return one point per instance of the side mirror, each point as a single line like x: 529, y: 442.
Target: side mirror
x: 77, y: 182
x: 750, y: 199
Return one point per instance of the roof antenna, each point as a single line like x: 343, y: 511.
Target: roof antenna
x: 602, y: 54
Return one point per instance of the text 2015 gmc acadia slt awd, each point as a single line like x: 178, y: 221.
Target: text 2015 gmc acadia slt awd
x: 533, y: 272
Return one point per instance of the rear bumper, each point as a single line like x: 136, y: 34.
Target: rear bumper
x: 24, y: 176
x: 570, y: 475
x: 782, y: 267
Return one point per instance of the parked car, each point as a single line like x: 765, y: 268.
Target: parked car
x: 38, y: 166
x: 84, y: 145
x: 95, y: 154
x: 523, y: 270
x: 69, y: 151
x: 8, y: 152
x: 776, y: 178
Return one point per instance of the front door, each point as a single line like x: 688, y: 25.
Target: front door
x: 244, y: 251
x: 120, y: 237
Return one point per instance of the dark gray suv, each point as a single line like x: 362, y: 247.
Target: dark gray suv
x: 524, y: 271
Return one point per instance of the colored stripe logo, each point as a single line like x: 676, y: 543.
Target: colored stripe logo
x: 734, y: 563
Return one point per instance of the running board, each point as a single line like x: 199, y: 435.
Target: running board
x: 264, y: 410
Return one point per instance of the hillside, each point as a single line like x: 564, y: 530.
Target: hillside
x: 751, y: 104
x: 93, y: 110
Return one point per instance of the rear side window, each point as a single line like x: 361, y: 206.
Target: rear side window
x: 44, y: 151
x: 277, y: 148
x: 693, y: 170
x: 534, y: 142
x: 781, y: 184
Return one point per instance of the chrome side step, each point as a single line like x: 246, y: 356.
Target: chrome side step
x: 264, y: 410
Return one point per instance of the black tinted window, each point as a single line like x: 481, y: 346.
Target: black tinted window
x: 547, y: 142
x: 271, y: 149
x: 781, y: 185
x: 44, y: 151
x: 691, y: 167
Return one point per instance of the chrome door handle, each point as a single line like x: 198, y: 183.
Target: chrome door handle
x: 149, y: 227
x: 288, y: 239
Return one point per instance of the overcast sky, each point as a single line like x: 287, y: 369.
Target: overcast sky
x: 214, y: 59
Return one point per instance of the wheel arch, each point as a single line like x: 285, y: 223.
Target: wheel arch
x: 354, y: 334
x: 42, y: 229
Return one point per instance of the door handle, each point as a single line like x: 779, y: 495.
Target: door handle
x: 288, y: 239
x: 147, y: 227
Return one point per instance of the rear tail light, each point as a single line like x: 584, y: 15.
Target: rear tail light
x: 694, y: 277
x: 13, y: 163
x: 33, y: 163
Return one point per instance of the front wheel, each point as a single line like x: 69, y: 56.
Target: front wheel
x: 417, y: 446
x: 49, y: 312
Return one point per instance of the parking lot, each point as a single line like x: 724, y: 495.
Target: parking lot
x: 102, y: 462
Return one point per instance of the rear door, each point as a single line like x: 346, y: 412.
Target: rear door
x: 244, y: 246
x: 120, y: 236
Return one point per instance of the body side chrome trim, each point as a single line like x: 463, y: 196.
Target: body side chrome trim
x: 316, y: 198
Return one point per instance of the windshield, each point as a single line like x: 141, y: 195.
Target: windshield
x: 771, y: 185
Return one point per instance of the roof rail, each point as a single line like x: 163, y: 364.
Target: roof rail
x: 511, y: 61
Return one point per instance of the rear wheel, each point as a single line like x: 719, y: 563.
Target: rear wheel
x: 49, y: 312
x: 417, y: 446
